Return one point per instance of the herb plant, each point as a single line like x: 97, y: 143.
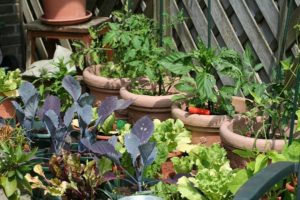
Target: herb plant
x: 71, y: 178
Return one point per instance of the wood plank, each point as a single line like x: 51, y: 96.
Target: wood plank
x: 37, y: 8
x: 293, y: 33
x: 105, y: 7
x: 224, y: 26
x: 199, y: 21
x: 270, y: 13
x: 39, y: 43
x: 259, y: 44
x: 182, y: 30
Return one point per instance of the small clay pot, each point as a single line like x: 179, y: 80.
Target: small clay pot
x: 64, y: 9
x: 205, y: 128
x: 157, y: 107
x: 232, y: 140
x: 101, y: 87
x: 7, y: 110
x: 167, y: 170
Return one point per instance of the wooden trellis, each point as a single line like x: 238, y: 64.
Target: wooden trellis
x: 235, y: 24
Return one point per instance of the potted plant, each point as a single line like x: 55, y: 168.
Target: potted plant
x: 105, y: 76
x: 9, y: 83
x: 65, y: 12
x: 265, y: 127
x: 202, y: 106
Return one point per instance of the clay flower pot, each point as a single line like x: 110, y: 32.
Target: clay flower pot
x: 232, y: 140
x: 65, y: 12
x: 64, y: 9
x: 158, y: 107
x: 205, y: 128
x: 102, y: 87
x: 7, y: 110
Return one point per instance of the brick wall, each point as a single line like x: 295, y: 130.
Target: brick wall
x: 10, y: 34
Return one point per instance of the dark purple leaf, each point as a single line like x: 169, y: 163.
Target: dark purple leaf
x: 123, y: 104
x: 69, y: 115
x: 106, y: 108
x: 59, y: 139
x: 111, y: 104
x: 86, y: 114
x: 103, y: 148
x: 148, y: 153
x: 19, y: 112
x: 72, y: 86
x: 109, y: 176
x: 132, y: 144
x: 113, y: 140
x: 86, y: 99
x: 174, y: 179
x: 31, y: 107
x: 143, y: 129
x: 51, y: 122
x: 26, y: 91
x: 51, y: 103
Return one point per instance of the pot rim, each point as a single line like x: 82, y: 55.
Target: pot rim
x: 147, y: 100
x: 228, y: 137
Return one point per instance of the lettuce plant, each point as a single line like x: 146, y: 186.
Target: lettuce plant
x: 26, y: 114
x: 9, y: 81
x: 213, y: 174
x: 141, y: 150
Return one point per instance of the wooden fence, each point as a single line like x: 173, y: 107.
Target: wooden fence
x: 235, y: 24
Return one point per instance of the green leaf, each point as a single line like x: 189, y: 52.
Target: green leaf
x: 136, y: 42
x: 206, y: 86
x: 183, y: 87
x: 240, y: 178
x: 9, y: 185
x: 108, y: 124
x: 177, y: 68
x: 286, y: 64
x: 258, y: 67
x: 186, y: 189
x: 298, y: 117
x: 104, y: 165
x: 261, y: 162
x: 245, y: 153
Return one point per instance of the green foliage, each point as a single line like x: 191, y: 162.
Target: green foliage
x: 51, y: 84
x: 71, y: 178
x: 199, y: 83
x: 14, y: 164
x: 9, y: 81
x: 169, y: 135
x: 260, y: 161
x: 213, y: 174
x: 166, y: 191
x: 94, y: 51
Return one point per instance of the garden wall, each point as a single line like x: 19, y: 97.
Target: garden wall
x: 11, y: 32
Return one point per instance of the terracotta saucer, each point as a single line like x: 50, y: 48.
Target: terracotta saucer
x: 61, y: 22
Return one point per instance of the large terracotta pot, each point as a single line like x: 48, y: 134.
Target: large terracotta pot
x: 157, y: 107
x: 102, y: 87
x: 205, y: 128
x: 64, y: 9
x: 231, y: 140
x: 7, y: 110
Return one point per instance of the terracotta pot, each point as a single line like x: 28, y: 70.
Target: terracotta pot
x: 64, y: 9
x: 102, y: 87
x: 7, y: 110
x: 205, y: 128
x: 232, y: 140
x: 167, y: 170
x: 290, y: 187
x: 157, y: 107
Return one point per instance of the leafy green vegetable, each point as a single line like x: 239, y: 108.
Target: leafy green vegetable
x: 166, y: 191
x: 9, y: 81
x: 213, y: 173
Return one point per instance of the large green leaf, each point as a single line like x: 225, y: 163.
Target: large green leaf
x: 184, y: 87
x: 240, y: 178
x: 9, y: 185
x: 261, y: 162
x: 206, y: 84
x: 176, y: 68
